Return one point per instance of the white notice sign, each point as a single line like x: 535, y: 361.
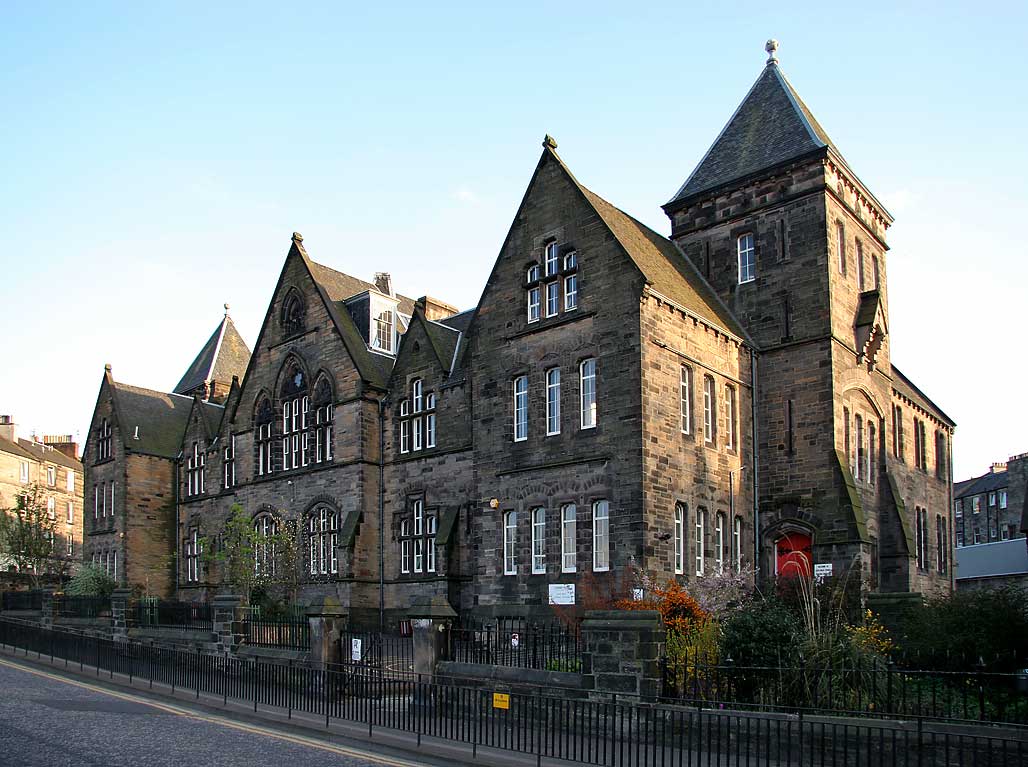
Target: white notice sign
x: 562, y: 593
x: 355, y: 649
x: 823, y: 571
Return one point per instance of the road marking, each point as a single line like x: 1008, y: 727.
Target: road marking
x: 221, y: 721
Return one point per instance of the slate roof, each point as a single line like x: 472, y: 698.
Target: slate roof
x: 444, y: 341
x: 46, y: 453
x: 663, y: 265
x: 771, y: 126
x: 224, y: 355
x: 901, y: 382
x: 459, y: 322
x: 868, y: 307
x: 987, y: 483
x: 7, y: 446
x: 161, y: 419
x: 339, y: 286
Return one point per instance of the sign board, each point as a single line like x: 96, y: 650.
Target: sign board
x: 562, y: 593
x: 501, y: 700
x: 637, y: 595
x: 823, y: 571
x: 355, y: 649
x: 515, y: 640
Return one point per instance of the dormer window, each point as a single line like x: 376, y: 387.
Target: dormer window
x: 384, y: 332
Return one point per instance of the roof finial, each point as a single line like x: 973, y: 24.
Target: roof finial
x: 771, y: 46
x: 226, y: 310
x: 297, y: 237
x: 550, y: 141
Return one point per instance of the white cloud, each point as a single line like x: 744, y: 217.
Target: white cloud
x: 466, y: 195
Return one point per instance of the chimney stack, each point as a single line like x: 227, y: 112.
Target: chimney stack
x: 64, y: 443
x: 384, y: 283
x: 8, y: 430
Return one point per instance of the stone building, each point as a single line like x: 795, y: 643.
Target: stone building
x: 50, y: 469
x: 618, y: 406
x: 131, y: 463
x: 990, y: 508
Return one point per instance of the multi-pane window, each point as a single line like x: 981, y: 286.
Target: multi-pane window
x: 679, y: 536
x: 921, y: 537
x: 601, y: 536
x: 24, y: 472
x: 719, y: 541
x: 510, y: 541
x: 858, y: 465
x: 430, y: 533
x: 941, y: 542
x: 552, y: 299
x: 737, y: 543
x: 265, y: 527
x: 958, y: 508
x: 71, y: 545
x: 419, y: 531
x: 417, y: 419
x: 324, y: 421
x: 520, y: 408
x: 568, y: 538
x: 417, y: 539
x: 51, y: 476
x: 546, y: 286
x: 228, y: 464
x: 840, y: 244
x: 263, y: 421
x: 553, y: 401
x: 295, y: 415
x: 1002, y: 499
x: 322, y: 540
x: 103, y: 442
x: 940, y: 455
x: 552, y: 258
x: 976, y: 504
x: 70, y: 518
x: 69, y: 479
x: 992, y: 499
x: 405, y: 545
x: 534, y: 293
x: 588, y: 393
x: 195, y: 471
x: 733, y: 428
x: 859, y: 256
x: 686, y: 395
x: 538, y: 540
x: 709, y: 405
x: 51, y: 508
x: 747, y: 258
x: 872, y: 444
x: 701, y: 526
x: 920, y: 445
x: 897, y: 431
x: 193, y: 556
x: 570, y: 282
x: 384, y: 333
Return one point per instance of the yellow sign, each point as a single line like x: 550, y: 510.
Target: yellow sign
x: 501, y: 700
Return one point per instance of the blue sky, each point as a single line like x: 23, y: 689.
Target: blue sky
x: 156, y: 160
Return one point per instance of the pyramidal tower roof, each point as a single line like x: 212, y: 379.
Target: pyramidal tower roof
x: 224, y: 355
x: 771, y: 126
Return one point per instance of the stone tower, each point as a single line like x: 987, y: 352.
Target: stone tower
x: 794, y: 243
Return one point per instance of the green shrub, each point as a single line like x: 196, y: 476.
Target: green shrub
x: 766, y: 633
x: 90, y: 582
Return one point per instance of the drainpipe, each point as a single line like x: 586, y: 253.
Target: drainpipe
x: 381, y: 514
x: 755, y: 463
x: 175, y: 532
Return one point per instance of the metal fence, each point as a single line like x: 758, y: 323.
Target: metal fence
x: 22, y: 600
x: 873, y: 688
x: 392, y: 653
x: 152, y: 613
x: 514, y: 642
x: 614, y: 733
x: 81, y: 607
x: 290, y: 632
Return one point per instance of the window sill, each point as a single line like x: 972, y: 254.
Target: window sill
x: 556, y: 321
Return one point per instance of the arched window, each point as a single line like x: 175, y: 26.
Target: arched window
x: 719, y: 541
x: 323, y: 537
x: 679, y: 536
x: 295, y: 414
x: 103, y: 440
x: 323, y: 421
x: 265, y: 528
x: 294, y: 315
x: 263, y: 417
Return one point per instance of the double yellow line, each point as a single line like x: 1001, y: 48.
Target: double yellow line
x: 301, y: 740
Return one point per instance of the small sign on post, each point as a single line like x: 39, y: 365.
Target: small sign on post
x: 501, y: 700
x: 823, y: 571
x: 562, y: 593
x: 515, y: 640
x: 355, y: 649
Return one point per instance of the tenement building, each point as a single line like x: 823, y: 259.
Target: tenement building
x: 45, y: 474
x: 620, y: 407
x: 992, y: 507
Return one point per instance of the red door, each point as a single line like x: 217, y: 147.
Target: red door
x: 793, y: 556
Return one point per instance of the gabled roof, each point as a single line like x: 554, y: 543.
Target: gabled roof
x: 224, y: 355
x: 662, y: 264
x: 339, y: 286
x: 13, y: 448
x: 901, y: 381
x: 993, y: 480
x: 771, y: 126
x: 151, y: 422
x: 45, y: 453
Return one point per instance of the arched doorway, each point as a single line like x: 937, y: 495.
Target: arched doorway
x: 794, y: 555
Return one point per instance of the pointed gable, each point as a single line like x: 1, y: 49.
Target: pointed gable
x: 223, y: 356
x: 771, y: 126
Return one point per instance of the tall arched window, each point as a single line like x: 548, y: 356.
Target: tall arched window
x: 323, y: 537
x: 323, y: 421
x: 264, y: 415
x: 679, y: 536
x: 295, y: 414
x: 265, y: 528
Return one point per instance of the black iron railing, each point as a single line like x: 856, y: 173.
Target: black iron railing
x: 868, y: 688
x: 291, y: 632
x: 196, y: 616
x: 550, y: 646
x: 614, y: 732
x: 81, y: 607
x: 371, y: 650
x: 23, y: 600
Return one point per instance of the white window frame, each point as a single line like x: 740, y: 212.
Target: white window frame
x: 601, y: 536
x: 685, y: 392
x: 70, y: 508
x: 737, y: 543
x: 679, y: 539
x: 709, y: 414
x: 520, y: 404
x: 417, y: 399
x: 430, y: 429
x: 719, y: 541
x: 587, y: 390
x: 552, y: 402
x: 1002, y: 499
x: 568, y: 538
x: 510, y: 541
x: 551, y: 259
x: 534, y: 303
x: 538, y: 540
x: 51, y: 508
x: 747, y: 257
x: 992, y: 498
x: 51, y: 476
x: 571, y: 292
x: 24, y: 472
x: 69, y: 480
x: 430, y: 532
x: 732, y: 432
x: 700, y: 528
x: 553, y: 298
x: 418, y: 427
